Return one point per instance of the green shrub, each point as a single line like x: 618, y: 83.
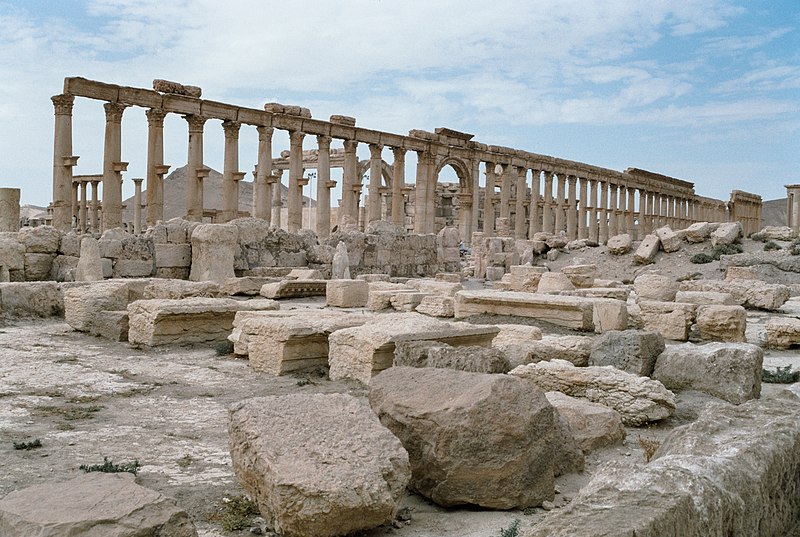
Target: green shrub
x: 781, y: 375
x: 108, y: 467
x: 726, y: 249
x: 223, y: 348
x: 794, y: 248
x: 701, y: 258
x: 237, y: 513
x: 512, y: 530
x: 771, y: 245
x: 28, y: 445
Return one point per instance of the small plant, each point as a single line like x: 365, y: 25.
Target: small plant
x: 794, y: 248
x: 701, y: 258
x: 223, y: 348
x: 649, y: 446
x: 185, y: 461
x: 28, y: 445
x: 237, y: 513
x: 108, y: 467
x: 303, y: 382
x: 689, y: 277
x: 512, y: 530
x: 771, y: 245
x: 782, y: 375
x: 726, y: 249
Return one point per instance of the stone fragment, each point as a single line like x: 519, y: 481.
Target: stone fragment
x: 569, y: 311
x: 317, y: 465
x: 573, y: 349
x: 93, y: 504
x: 89, y: 268
x: 593, y: 425
x: 633, y: 351
x: 40, y: 239
x: 84, y: 304
x: 294, y: 289
x: 721, y: 323
x: 775, y: 233
x: 111, y: 325
x: 704, y: 297
x: 581, y: 276
x: 514, y: 341
x: 730, y: 371
x: 620, y: 244
x: 609, y: 314
x: 783, y: 332
x: 450, y: 277
x: 12, y: 254
x: 638, y: 400
x: 173, y: 255
x: 670, y: 241
x: 245, y: 286
x: 441, y: 418
x: 567, y: 455
x: 442, y: 355
x: 436, y: 306
x: 751, y: 294
x: 167, y: 86
x: 671, y: 319
x: 741, y: 273
x: 381, y: 293
x: 340, y: 269
x: 174, y: 289
x: 495, y: 274
x: 726, y: 233
x: 647, y: 250
x: 213, y: 250
x: 305, y: 274
x: 63, y: 268
x: 698, y: 232
x: 617, y: 293
x: 554, y: 282
x: 650, y: 286
x: 31, y: 299
x: 434, y: 287
x: 344, y: 293
x: 38, y: 266
x: 9, y: 210
x: 525, y: 278
x: 407, y: 301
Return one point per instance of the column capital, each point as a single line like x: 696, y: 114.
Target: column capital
x: 399, y: 152
x: 63, y: 103
x: 114, y: 112
x: 375, y: 150
x: 231, y: 129
x: 155, y: 117
x: 195, y: 122
x: 350, y: 146
x: 573, y: 179
x: 296, y: 137
x: 264, y: 133
x: 324, y: 141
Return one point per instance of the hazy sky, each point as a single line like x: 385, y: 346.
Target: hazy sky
x: 703, y: 90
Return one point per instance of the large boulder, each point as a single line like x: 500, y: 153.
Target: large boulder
x: 472, y: 438
x: 638, y: 400
x: 317, y: 465
x: 436, y: 354
x: 726, y: 233
x: 40, y: 240
x: 730, y: 371
x: 634, y: 351
x: 783, y: 332
x: 94, y: 504
x: 593, y: 425
x: 722, y: 323
x: 213, y: 249
x: 650, y: 286
x: 31, y: 299
x: 647, y: 250
x: 620, y: 244
x: 670, y: 241
x: 698, y: 232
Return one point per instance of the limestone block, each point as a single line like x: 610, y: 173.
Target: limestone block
x: 727, y: 473
x: 638, y: 400
x: 173, y: 255
x: 649, y: 286
x: 698, y: 232
x: 111, y: 325
x: 246, y: 286
x: 371, y: 278
x: 609, y: 314
x: 593, y: 425
x: 670, y: 241
x: 721, y: 323
x: 108, y: 267
x: 177, y: 230
x: 317, y: 465
x: 437, y: 354
x: 9, y: 210
x: 40, y: 240
x: 573, y: 349
x: 174, y: 289
x: 12, y: 254
x: 783, y: 332
x: 188, y: 320
x: 84, y: 304
x: 567, y: 456
x: 704, y: 297
x: 63, y: 268
x: 581, y: 276
x: 213, y: 250
x: 294, y: 289
x: 340, y: 268
x: 304, y: 274
x: 31, y: 299
x: 617, y: 293
x: 111, y: 248
x: 552, y: 255
x: 647, y: 250
x: 111, y: 505
x: 71, y: 244
x: 343, y: 293
x: 633, y: 351
x: 440, y: 416
x: 730, y: 371
x: 89, y: 268
x: 434, y: 287
x: 620, y: 244
x: 671, y: 319
x: 450, y: 277
x: 494, y: 274
x: 380, y: 294
x: 775, y: 233
x: 726, y: 233
x: 751, y: 294
x: 361, y: 352
x: 525, y: 278
x: 556, y: 241
x: 554, y: 282
x: 133, y: 268
x: 741, y: 273
x: 436, y: 306
x: 407, y: 301
x: 38, y: 266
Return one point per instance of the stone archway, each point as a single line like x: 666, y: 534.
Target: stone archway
x: 452, y: 208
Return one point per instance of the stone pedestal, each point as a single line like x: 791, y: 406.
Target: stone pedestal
x: 9, y: 209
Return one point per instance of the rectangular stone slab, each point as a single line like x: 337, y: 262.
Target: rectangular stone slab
x: 187, y: 320
x: 569, y: 311
x: 294, y: 289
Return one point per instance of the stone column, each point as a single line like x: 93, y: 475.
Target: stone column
x: 137, y: 205
x: 112, y: 154
x: 194, y: 185
x: 488, y: 199
x: 603, y: 231
x: 74, y: 203
x: 294, y: 200
x: 230, y: 198
x: 62, y: 149
x: 559, y: 205
x: 262, y: 201
x: 430, y: 204
x: 349, y: 203
x: 572, y: 208
x: 663, y: 212
x: 422, y: 196
x: 323, y: 186
x: 793, y: 206
x: 505, y: 192
x: 155, y: 158
x: 583, y: 229
x: 476, y: 205
x: 9, y: 209
x: 535, y: 224
x: 613, y: 219
x: 465, y: 216
x: 643, y: 227
x: 593, y: 213
x: 631, y: 210
x: 398, y: 182
x: 375, y: 171
x: 95, y: 221
x: 82, y: 216
x: 276, y: 196
x: 547, y: 209
x: 520, y: 229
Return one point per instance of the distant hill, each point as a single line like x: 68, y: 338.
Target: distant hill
x: 773, y: 212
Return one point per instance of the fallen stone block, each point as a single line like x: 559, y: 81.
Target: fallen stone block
x: 647, y: 250
x: 361, y: 352
x: 92, y: 504
x: 346, y: 293
x: 84, y: 304
x: 525, y: 278
x: 305, y: 274
x: 441, y: 418
x: 656, y: 287
x: 111, y: 325
x: 38, y: 266
x: 617, y: 293
x: 514, y: 341
x: 620, y: 244
x: 31, y: 299
x: 730, y: 371
x: 173, y: 255
x: 726, y: 233
x: 608, y: 314
x: 698, y: 232
x: 721, y: 323
x: 294, y: 289
x: 442, y: 355
x: 581, y: 276
x: 213, y: 250
x: 783, y: 332
x: 12, y: 254
x: 751, y: 294
x: 671, y: 319
x: 434, y: 287
x: 317, y: 465
x: 670, y: 241
x: 451, y: 277
x: 175, y: 289
x: 40, y: 239
x: 188, y: 320
x: 245, y: 286
x: 572, y: 312
x: 741, y: 273
x: 407, y: 301
x: 573, y: 349
x: 381, y: 293
x: 775, y: 233
x: 633, y: 351
x: 593, y: 425
x: 700, y: 298
x: 554, y: 282
x: 89, y: 268
x: 436, y: 306
x: 638, y: 400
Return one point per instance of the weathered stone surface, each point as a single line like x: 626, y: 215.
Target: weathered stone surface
x: 317, y: 465
x: 554, y: 282
x: 609, y: 314
x: 783, y: 332
x: 730, y: 371
x: 40, y: 240
x: 573, y: 349
x: 436, y: 306
x: 434, y: 287
x: 671, y: 319
x: 726, y: 233
x: 567, y: 455
x: 581, y: 275
x: 305, y: 274
x: 343, y: 293
x: 721, y: 323
x: 294, y: 289
x: 569, y: 311
x: 94, y: 504
x: 381, y: 293
x: 593, y: 425
x: 31, y: 299
x: 63, y: 268
x: 340, y: 270
x: 246, y: 286
x: 620, y: 244
x: 174, y: 289
x: 647, y: 250
x: 213, y: 249
x: 638, y: 400
x: 173, y: 255
x: 704, y: 297
x: 617, y: 293
x: 12, y: 254
x: 649, y: 286
x: 752, y: 294
x: 187, y: 320
x: 111, y: 325
x: 514, y: 341
x: 38, y: 267
x: 442, y: 355
x: 698, y: 232
x: 407, y: 301
x: 89, y: 268
x: 441, y: 418
x: 670, y: 241
x: 775, y: 233
x: 720, y: 475
x: 84, y: 304
x: 634, y: 351
x: 133, y: 268
x: 741, y: 273
x: 526, y: 278
x: 361, y: 352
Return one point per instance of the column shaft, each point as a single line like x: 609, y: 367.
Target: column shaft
x: 349, y: 202
x: 520, y: 230
x: 62, y: 148
x: 375, y: 171
x: 194, y: 184
x: 547, y: 212
x: 112, y: 178
x: 603, y: 230
x: 559, y: 205
x: 82, y: 222
x: 262, y: 187
x: 572, y: 208
x: 583, y: 229
x: 613, y: 220
x: 398, y: 181
x: 488, y: 200
x: 294, y: 200
x: 323, y: 187
x: 593, y: 213
x: 505, y: 192
x: 230, y: 194
x: 155, y: 158
x: 535, y: 224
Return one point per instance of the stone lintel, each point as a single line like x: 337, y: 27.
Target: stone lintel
x: 450, y: 133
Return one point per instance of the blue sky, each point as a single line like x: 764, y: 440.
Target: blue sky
x: 707, y: 91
